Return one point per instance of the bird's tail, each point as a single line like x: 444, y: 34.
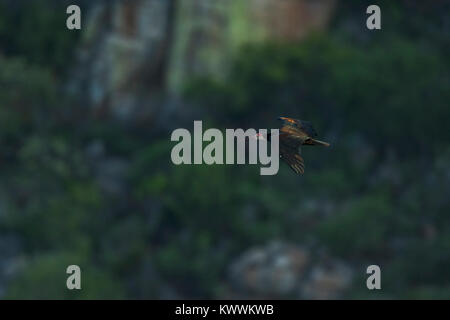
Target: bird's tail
x: 315, y: 142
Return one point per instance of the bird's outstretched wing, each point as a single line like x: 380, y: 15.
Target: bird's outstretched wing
x: 300, y: 126
x: 293, y: 133
x: 289, y: 148
x: 294, y: 160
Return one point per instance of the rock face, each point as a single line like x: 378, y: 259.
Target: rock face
x: 11, y: 262
x: 209, y: 33
x: 271, y: 271
x: 123, y: 54
x: 326, y: 281
x: 133, y: 50
x: 280, y: 270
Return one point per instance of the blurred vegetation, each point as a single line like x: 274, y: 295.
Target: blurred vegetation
x: 379, y: 196
x: 33, y: 31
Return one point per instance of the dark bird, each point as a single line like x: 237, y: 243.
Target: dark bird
x: 295, y: 133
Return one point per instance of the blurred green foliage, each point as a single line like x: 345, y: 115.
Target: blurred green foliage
x: 35, y: 30
x: 325, y: 79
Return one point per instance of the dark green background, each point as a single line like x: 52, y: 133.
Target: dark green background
x: 381, y: 98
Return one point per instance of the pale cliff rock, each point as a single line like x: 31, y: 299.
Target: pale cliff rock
x: 280, y: 270
x: 134, y: 50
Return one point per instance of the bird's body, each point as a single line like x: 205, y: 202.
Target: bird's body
x: 293, y: 134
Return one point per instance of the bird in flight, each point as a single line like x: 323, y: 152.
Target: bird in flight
x: 293, y: 134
